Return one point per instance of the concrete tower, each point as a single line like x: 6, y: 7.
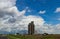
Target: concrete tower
x: 31, y: 28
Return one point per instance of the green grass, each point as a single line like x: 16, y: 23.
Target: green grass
x: 31, y: 37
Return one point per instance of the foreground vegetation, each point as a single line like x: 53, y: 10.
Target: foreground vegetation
x: 33, y: 36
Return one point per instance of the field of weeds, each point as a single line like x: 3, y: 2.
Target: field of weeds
x: 33, y: 36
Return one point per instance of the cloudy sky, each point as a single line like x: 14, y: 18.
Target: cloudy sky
x: 15, y: 15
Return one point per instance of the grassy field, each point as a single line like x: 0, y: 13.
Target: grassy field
x: 33, y: 36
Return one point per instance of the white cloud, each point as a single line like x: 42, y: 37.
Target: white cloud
x: 28, y: 10
x: 55, y: 29
x: 7, y: 3
x: 11, y: 19
x: 58, y: 18
x: 57, y: 10
x: 22, y: 23
x: 8, y: 15
x: 42, y: 12
x: 15, y: 11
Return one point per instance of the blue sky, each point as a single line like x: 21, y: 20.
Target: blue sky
x: 35, y: 6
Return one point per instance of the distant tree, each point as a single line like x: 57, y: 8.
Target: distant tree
x: 45, y: 34
x: 17, y: 33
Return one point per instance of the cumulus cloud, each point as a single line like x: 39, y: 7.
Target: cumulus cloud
x: 11, y: 19
x: 42, y: 12
x: 57, y: 10
x: 8, y: 15
x: 21, y: 23
x: 58, y: 18
x: 49, y: 28
x: 7, y: 3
